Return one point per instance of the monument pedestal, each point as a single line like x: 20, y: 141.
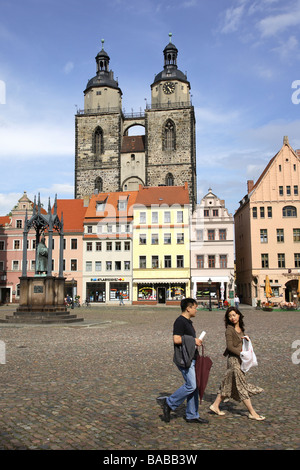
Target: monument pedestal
x: 42, y: 301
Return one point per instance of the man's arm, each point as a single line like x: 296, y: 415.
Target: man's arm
x: 177, y: 340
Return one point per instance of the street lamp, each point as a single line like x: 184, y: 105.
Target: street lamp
x: 209, y: 284
x: 72, y: 307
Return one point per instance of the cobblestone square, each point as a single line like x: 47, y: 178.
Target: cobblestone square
x: 93, y: 385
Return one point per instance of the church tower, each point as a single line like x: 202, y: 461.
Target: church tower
x: 109, y: 159
x: 98, y: 133
x: 170, y: 125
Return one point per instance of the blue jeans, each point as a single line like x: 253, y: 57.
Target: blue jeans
x: 188, y: 391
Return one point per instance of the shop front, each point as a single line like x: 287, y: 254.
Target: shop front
x: 160, y: 292
x: 108, y: 290
x: 212, y: 289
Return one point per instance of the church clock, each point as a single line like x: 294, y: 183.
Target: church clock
x: 169, y: 88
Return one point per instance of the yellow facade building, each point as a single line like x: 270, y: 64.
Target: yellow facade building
x: 161, y: 245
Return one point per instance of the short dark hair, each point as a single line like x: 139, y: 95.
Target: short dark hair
x: 185, y: 303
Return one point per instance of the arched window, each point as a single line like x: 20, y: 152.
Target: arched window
x: 98, y: 185
x: 98, y: 147
x: 169, y: 179
x: 289, y: 211
x: 169, y: 136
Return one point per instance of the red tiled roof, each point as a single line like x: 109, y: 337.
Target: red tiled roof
x: 4, y: 220
x: 73, y: 214
x: 135, y: 143
x: 160, y: 195
x: 111, y: 206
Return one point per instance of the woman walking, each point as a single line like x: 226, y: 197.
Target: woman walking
x: 234, y: 384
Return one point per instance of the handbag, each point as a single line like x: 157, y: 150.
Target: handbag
x: 247, y: 356
x: 202, y: 368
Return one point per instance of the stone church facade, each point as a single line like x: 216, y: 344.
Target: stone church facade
x: 108, y: 159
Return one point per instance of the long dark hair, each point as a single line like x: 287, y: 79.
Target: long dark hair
x: 241, y: 316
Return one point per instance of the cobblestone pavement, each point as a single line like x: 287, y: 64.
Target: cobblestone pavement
x: 94, y: 384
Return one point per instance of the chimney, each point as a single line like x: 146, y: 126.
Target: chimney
x: 250, y: 184
x: 285, y: 140
x: 297, y: 152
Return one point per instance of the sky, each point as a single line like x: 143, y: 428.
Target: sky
x: 242, y: 59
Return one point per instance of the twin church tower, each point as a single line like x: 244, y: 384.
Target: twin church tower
x: 108, y: 159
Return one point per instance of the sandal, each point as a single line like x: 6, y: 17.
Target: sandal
x: 260, y: 418
x: 219, y: 413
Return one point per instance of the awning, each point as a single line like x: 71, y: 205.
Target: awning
x: 158, y: 281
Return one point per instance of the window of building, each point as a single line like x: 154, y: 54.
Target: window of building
x: 200, y: 261
x: 269, y: 211
x: 142, y: 262
x: 210, y: 235
x: 222, y: 234
x: 199, y: 235
x: 142, y: 239
x: 73, y: 264
x: 169, y: 136
x: 108, y: 265
x: 289, y: 211
x: 295, y: 190
x: 211, y: 261
x: 168, y: 261
x: 288, y: 190
x: 126, y: 246
x: 170, y: 179
x: 296, y: 234
x: 154, y: 239
x: 98, y: 246
x: 263, y: 235
x: 127, y: 265
x: 179, y: 217
x: 280, y: 235
x: 88, y: 265
x: 167, y: 239
x: 215, y: 212
x: 98, y: 146
x: 73, y: 243
x: 98, y: 186
x: 206, y: 212
x: 297, y: 260
x: 223, y: 261
x: 17, y: 245
x: 89, y: 229
x: 98, y: 265
x: 179, y: 261
x: 108, y: 246
x: 180, y: 238
x: 155, y: 217
x: 280, y: 190
x: 89, y: 246
x: 264, y: 260
x: 2, y: 245
x: 142, y: 217
x: 154, y: 261
x: 254, y: 212
x: 19, y: 223
x: 167, y: 216
x: 118, y: 246
x: 117, y: 265
x: 15, y: 265
x: 281, y: 260
x: 122, y: 204
x: 262, y: 212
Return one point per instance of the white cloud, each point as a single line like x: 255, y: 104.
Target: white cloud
x: 274, y: 24
x: 35, y: 139
x: 232, y: 19
x: 69, y: 66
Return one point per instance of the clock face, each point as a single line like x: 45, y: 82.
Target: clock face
x: 169, y: 88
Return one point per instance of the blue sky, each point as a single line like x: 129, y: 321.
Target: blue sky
x: 242, y: 59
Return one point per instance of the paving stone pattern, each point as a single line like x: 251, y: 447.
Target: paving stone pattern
x: 94, y: 385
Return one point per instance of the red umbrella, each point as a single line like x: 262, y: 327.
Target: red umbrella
x: 202, y: 367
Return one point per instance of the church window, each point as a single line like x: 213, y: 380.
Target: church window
x: 98, y: 147
x: 169, y: 179
x: 98, y: 185
x: 169, y: 136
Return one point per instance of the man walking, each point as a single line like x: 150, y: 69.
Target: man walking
x: 185, y: 353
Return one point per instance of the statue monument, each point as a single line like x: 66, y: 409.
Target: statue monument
x: 42, y: 295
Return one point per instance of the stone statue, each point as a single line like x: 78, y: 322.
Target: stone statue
x: 42, y: 257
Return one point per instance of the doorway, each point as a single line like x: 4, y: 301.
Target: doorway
x: 161, y: 295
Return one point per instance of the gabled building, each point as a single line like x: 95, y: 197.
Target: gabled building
x: 212, y: 250
x: 267, y: 231
x: 161, y: 245
x: 107, y: 247
x: 72, y: 212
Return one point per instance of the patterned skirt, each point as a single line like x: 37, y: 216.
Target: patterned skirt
x: 234, y: 384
